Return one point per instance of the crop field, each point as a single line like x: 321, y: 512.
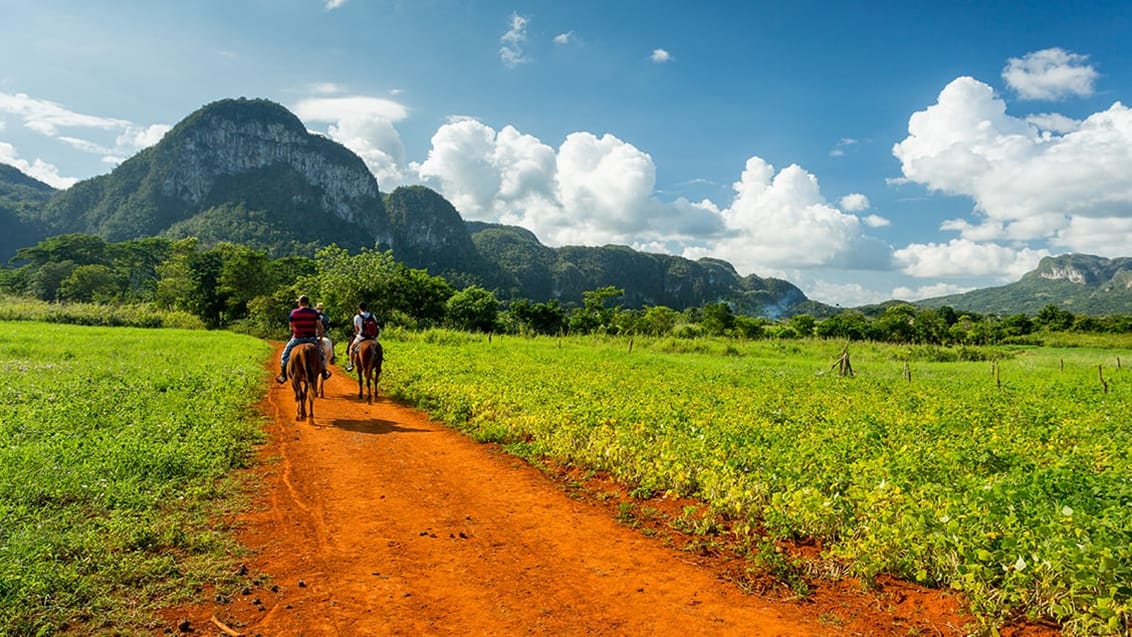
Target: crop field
x: 1005, y: 475
x: 114, y: 443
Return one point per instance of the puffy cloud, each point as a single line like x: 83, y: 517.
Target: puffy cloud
x: 1103, y: 235
x: 928, y: 291
x: 965, y: 258
x: 781, y: 220
x: 365, y: 125
x: 660, y: 56
x: 1027, y: 184
x: 511, y: 53
x: 334, y: 4
x: 1053, y: 122
x: 1050, y: 74
x: 564, y: 38
x: 41, y: 170
x: 875, y: 221
x: 590, y: 190
x: 855, y: 202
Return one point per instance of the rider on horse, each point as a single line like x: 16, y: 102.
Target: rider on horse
x: 305, y: 328
x: 366, y: 327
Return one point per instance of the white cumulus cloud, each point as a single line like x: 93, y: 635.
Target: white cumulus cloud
x: 964, y: 258
x: 1050, y: 74
x: 590, y: 190
x: 855, y: 202
x: 928, y: 291
x: 365, y: 125
x: 660, y: 56
x: 41, y: 170
x: 564, y: 38
x: 781, y: 220
x: 1027, y: 183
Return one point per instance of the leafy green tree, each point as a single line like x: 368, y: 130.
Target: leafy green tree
x: 849, y: 325
x: 594, y: 315
x: 717, y: 319
x: 174, y: 283
x: 659, y: 320
x: 473, y: 309
x: 750, y: 326
x: 1014, y: 325
x: 540, y: 318
x: 626, y: 321
x: 82, y: 249
x: 803, y: 324
x: 1054, y: 319
x: 44, y: 281
x: 393, y: 292
x: 88, y: 283
x: 896, y: 324
x: 135, y: 264
x: 245, y: 273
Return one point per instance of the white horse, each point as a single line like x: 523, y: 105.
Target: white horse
x: 328, y: 353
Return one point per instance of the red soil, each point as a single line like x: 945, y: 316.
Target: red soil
x: 376, y: 520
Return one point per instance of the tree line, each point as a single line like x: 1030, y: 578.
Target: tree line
x: 232, y: 286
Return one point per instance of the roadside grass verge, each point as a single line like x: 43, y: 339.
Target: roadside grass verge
x: 115, y: 449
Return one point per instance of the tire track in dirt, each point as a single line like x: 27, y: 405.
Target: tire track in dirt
x: 379, y: 521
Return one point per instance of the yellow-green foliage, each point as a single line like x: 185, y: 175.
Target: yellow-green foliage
x: 124, y: 315
x: 113, y: 443
x: 1016, y: 490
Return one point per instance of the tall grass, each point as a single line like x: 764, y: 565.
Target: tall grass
x: 14, y: 308
x: 115, y: 444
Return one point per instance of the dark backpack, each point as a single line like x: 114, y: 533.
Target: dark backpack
x: 369, y: 326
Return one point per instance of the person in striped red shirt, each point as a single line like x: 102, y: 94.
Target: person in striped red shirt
x: 306, y: 327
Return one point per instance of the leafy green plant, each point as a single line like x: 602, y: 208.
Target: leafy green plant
x: 115, y: 446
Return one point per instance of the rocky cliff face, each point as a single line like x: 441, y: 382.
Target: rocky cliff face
x: 1082, y: 269
x: 223, y: 141
x: 234, y: 170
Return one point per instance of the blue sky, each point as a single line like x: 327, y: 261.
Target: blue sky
x: 863, y: 151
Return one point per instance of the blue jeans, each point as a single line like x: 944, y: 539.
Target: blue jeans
x: 313, y: 340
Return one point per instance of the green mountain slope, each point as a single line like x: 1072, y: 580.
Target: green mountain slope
x: 21, y: 199
x: 1078, y: 283
x: 237, y: 170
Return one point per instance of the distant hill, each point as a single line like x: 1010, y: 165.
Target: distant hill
x: 235, y: 170
x: 21, y: 200
x: 248, y: 172
x: 541, y: 273
x: 1077, y: 283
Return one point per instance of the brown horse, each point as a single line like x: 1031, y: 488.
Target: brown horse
x: 367, y: 359
x: 305, y: 370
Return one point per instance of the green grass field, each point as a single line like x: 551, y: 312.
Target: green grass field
x: 115, y: 444
x: 1014, y: 488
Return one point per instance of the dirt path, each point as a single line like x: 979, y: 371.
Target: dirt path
x: 378, y: 521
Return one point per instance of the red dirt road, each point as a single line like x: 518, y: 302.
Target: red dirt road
x: 377, y: 521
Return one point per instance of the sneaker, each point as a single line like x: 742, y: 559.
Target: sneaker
x: 282, y: 378
x: 349, y: 367
x: 325, y: 374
